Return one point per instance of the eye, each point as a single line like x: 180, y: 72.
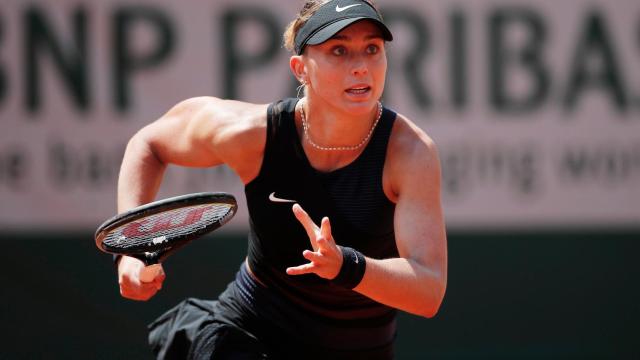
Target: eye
x: 339, y: 51
x: 372, y: 49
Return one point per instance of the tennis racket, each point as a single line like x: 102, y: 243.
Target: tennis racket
x: 154, y: 231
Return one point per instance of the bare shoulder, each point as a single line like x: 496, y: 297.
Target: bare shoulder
x: 412, y: 156
x: 215, y: 131
x: 410, y: 139
x: 238, y: 134
x: 222, y: 118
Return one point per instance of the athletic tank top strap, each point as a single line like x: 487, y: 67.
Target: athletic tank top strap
x: 280, y: 117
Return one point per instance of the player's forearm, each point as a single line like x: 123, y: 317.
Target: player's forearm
x: 403, y: 284
x: 140, y: 174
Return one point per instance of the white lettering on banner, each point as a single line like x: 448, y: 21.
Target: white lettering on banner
x: 535, y: 107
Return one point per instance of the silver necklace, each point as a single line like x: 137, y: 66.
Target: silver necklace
x: 305, y: 127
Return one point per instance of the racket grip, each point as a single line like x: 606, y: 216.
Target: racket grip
x: 150, y: 272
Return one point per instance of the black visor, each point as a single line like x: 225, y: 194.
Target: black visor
x: 334, y: 16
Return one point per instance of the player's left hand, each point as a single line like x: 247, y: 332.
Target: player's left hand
x: 326, y: 258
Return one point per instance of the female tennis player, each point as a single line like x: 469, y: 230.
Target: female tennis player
x: 343, y: 194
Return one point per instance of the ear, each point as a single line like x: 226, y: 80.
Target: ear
x: 298, y: 68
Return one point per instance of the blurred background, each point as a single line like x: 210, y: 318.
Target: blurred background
x: 535, y: 107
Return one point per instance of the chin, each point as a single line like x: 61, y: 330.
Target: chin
x: 361, y: 106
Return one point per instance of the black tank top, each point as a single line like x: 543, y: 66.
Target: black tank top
x: 352, y: 197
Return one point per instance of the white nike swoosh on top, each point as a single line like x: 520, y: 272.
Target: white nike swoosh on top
x: 341, y: 9
x: 273, y: 198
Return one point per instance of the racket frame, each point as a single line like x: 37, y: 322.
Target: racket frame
x: 158, y: 207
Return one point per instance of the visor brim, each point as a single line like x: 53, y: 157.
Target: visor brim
x: 331, y: 30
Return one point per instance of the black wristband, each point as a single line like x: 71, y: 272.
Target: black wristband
x: 352, y: 270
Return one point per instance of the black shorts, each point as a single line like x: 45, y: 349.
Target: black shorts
x: 189, y: 331
x: 231, y: 328
x: 225, y: 342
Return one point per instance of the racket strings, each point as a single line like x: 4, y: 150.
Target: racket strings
x: 164, y: 230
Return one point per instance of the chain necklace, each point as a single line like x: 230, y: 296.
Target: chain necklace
x: 306, y: 126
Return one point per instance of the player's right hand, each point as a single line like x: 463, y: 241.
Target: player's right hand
x: 131, y: 287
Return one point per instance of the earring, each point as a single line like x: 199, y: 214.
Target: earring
x: 300, y: 88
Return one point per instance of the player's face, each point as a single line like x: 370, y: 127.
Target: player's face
x: 348, y: 71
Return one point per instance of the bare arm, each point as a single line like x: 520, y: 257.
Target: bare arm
x: 416, y: 281
x: 181, y: 136
x: 198, y: 132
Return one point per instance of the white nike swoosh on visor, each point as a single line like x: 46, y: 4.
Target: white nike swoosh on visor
x: 273, y: 198
x: 341, y: 9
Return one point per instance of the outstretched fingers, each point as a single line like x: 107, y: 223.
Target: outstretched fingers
x: 309, y: 226
x: 307, y: 268
x: 325, y: 233
x: 314, y: 260
x: 326, y: 258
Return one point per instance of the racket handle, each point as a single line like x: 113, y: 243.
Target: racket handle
x: 150, y: 272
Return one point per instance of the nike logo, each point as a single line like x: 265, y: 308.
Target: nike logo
x: 273, y: 198
x: 341, y: 9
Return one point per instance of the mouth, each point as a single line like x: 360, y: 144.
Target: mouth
x: 358, y: 90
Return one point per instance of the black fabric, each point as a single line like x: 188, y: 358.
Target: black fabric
x: 334, y: 16
x: 171, y: 335
x: 223, y: 329
x: 352, y: 197
x: 219, y: 341
x: 191, y: 330
x: 277, y: 323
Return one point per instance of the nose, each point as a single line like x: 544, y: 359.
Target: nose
x: 359, y: 66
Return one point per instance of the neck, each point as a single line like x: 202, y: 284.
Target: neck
x: 329, y: 129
